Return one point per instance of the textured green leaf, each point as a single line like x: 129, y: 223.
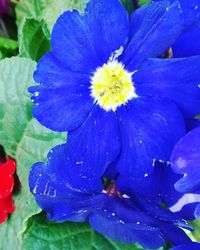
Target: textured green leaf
x: 43, y: 235
x: 50, y: 10
x: 34, y: 39
x: 23, y: 138
x: 30, y: 9
x: 55, y: 8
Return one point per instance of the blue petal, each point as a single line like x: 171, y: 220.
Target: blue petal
x: 188, y: 211
x: 194, y: 123
x: 57, y: 174
x: 197, y: 211
x: 190, y: 10
x: 126, y: 233
x: 158, y: 186
x: 94, y: 145
x: 154, y: 28
x: 176, y: 79
x: 124, y: 220
x: 109, y: 26
x: 150, y: 127
x: 62, y: 194
x: 186, y: 160
x: 186, y: 44
x: 175, y: 235
x: 72, y: 43
x: 188, y: 246
x: 117, y: 219
x: 62, y: 101
x: 85, y: 42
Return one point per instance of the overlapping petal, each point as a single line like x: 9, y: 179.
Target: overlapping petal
x: 186, y: 160
x: 141, y: 121
x: 87, y: 41
x: 121, y: 218
x: 108, y: 24
x: 176, y: 79
x: 190, y: 10
x: 192, y: 246
x: 149, y: 28
x: 186, y: 44
x: 159, y: 185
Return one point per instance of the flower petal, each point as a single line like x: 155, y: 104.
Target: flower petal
x: 150, y: 26
x: 72, y: 43
x: 117, y: 219
x: 76, y: 40
x: 186, y: 160
x: 62, y: 101
x: 109, y: 26
x: 6, y: 207
x: 157, y: 186
x: 94, y: 145
x: 149, y: 127
x: 176, y: 79
x: 62, y: 194
x: 7, y: 169
x: 190, y: 10
x: 192, y: 245
x: 186, y: 44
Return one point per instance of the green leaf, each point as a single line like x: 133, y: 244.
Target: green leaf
x: 8, y: 47
x: 41, y: 234
x: 143, y: 2
x: 50, y: 10
x: 34, y: 39
x: 195, y: 235
x: 8, y: 44
x: 30, y: 9
x: 23, y: 138
x: 55, y: 8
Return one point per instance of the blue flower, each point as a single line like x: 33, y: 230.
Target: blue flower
x: 139, y: 216
x: 101, y: 83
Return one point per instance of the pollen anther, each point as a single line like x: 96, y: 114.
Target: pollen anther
x: 112, y: 86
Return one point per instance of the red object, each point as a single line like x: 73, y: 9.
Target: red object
x: 7, y: 169
x: 4, y: 7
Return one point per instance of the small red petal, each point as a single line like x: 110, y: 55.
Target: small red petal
x: 7, y: 169
x: 6, y: 207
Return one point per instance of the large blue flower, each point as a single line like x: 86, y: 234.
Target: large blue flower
x: 139, y: 217
x: 101, y: 83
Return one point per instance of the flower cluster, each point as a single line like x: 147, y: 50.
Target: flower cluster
x: 125, y: 107
x: 7, y: 169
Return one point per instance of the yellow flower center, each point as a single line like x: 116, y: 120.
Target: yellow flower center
x: 112, y: 86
